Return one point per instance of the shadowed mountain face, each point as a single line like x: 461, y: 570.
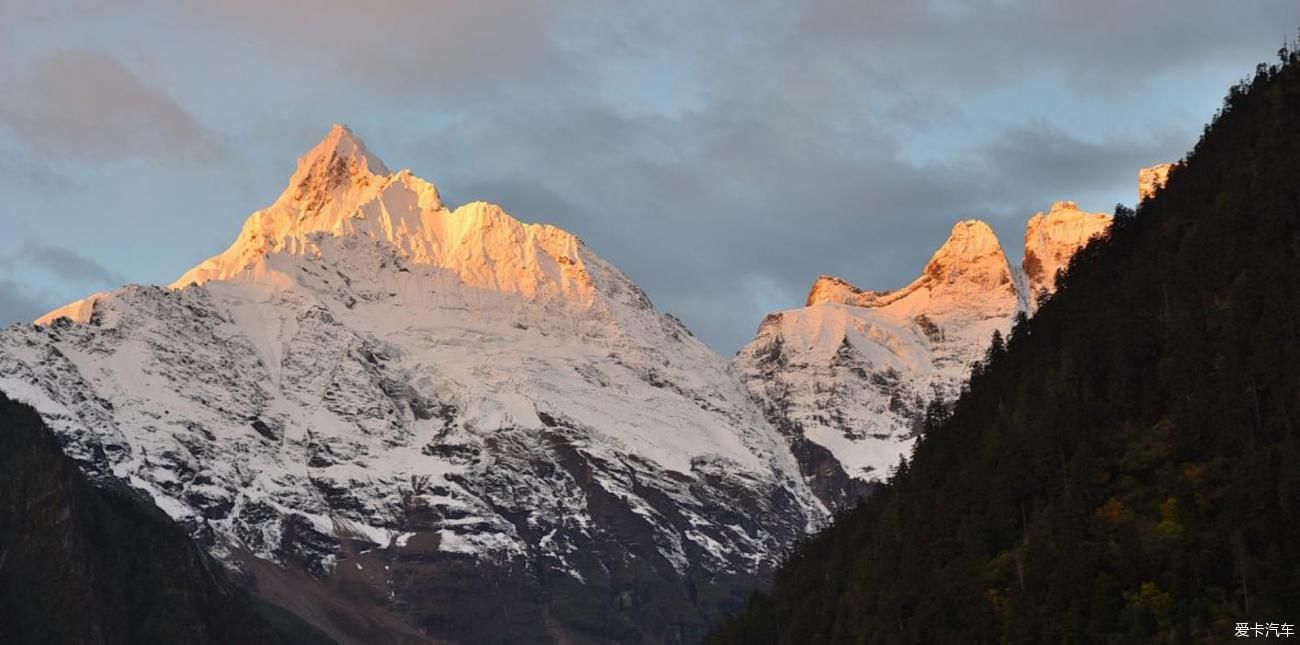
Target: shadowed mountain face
x: 85, y: 564
x: 1127, y: 467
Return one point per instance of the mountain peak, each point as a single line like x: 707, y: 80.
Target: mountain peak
x: 874, y: 358
x: 968, y: 268
x: 972, y: 254
x: 343, y: 143
x: 1152, y: 179
x: 339, y: 161
x: 1052, y: 238
x: 1064, y: 211
x: 834, y: 290
x: 972, y: 237
x: 342, y: 200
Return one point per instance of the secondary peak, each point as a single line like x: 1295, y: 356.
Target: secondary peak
x: 830, y: 289
x: 1152, y: 179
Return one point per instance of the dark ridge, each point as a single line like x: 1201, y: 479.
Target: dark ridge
x: 80, y: 563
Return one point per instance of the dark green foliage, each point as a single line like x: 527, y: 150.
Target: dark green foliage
x: 1127, y: 468
x: 83, y: 564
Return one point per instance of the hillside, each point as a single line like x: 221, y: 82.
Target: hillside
x: 84, y: 564
x: 1126, y: 466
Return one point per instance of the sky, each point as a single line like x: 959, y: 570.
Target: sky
x: 723, y: 154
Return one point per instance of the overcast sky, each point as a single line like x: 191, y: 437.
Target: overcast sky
x: 723, y: 154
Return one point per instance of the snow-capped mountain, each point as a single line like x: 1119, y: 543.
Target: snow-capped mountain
x: 848, y: 377
x: 431, y: 412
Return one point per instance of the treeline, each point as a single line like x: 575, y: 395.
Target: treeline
x: 1125, y: 467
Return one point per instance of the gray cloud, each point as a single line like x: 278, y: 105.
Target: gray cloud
x: 81, y: 104
x: 705, y: 209
x: 19, y: 304
x: 421, y: 46
x: 1042, y: 162
x: 433, y: 48
x: 67, y: 265
x: 791, y: 159
x: 724, y: 154
x: 25, y: 294
x: 733, y: 218
x: 17, y: 173
x: 1099, y: 46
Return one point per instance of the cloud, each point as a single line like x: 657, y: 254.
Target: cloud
x: 433, y: 48
x: 87, y: 105
x: 835, y: 136
x: 729, y: 211
x: 18, y: 304
x: 723, y: 154
x: 1098, y: 46
x: 36, y: 277
x: 66, y: 265
x: 715, y: 211
x: 18, y: 172
x: 1042, y: 160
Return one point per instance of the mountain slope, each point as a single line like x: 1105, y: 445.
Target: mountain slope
x: 1127, y: 468
x: 849, y: 377
x: 82, y: 564
x: 470, y: 422
x: 853, y: 370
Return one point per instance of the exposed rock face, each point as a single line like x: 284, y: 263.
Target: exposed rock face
x: 853, y: 371
x: 830, y: 289
x: 971, y: 259
x: 1152, y: 179
x: 470, y: 422
x: 1052, y: 238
